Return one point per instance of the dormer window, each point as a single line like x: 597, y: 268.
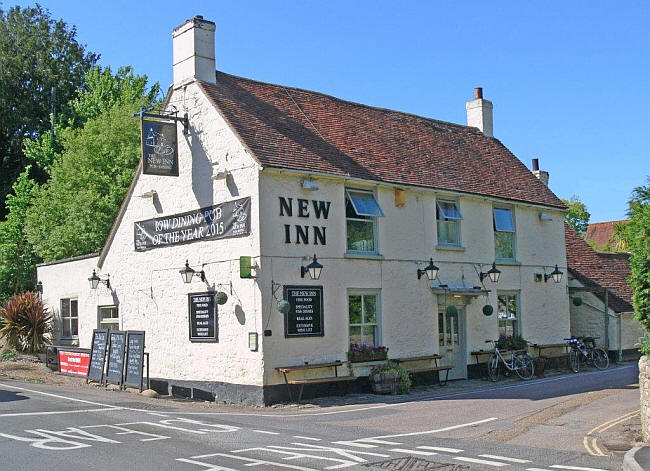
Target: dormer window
x: 448, y: 217
x: 361, y: 213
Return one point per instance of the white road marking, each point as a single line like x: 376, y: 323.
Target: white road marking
x: 537, y: 469
x: 250, y: 462
x: 128, y: 431
x: 266, y: 432
x: 357, y: 444
x: 576, y: 468
x: 440, y: 448
x: 209, y: 467
x: 427, y: 432
x: 57, y: 412
x: 413, y: 452
x: 379, y: 442
x: 477, y: 461
x: 505, y: 458
x: 307, y: 438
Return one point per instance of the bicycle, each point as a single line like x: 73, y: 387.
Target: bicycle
x: 589, y: 353
x: 520, y: 362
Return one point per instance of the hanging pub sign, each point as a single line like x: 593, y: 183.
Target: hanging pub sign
x: 202, y: 317
x: 159, y: 148
x: 220, y: 221
x: 305, y: 316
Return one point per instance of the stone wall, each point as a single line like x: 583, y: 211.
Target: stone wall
x: 644, y: 388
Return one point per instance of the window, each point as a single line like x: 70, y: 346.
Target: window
x: 364, y: 319
x: 69, y: 318
x: 448, y: 218
x: 109, y: 318
x: 361, y: 212
x: 507, y: 315
x: 504, y: 234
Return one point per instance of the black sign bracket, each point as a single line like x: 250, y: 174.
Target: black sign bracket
x: 144, y: 113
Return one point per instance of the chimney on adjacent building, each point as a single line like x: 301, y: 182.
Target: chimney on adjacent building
x: 542, y: 175
x: 479, y: 112
x: 193, y: 44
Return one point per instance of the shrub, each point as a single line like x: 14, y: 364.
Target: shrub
x: 8, y: 354
x: 28, y: 324
x: 512, y: 343
x: 644, y: 344
x: 405, y: 383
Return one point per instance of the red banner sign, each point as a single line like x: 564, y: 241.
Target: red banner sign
x: 74, y: 363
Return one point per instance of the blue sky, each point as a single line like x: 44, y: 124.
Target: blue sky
x: 570, y: 81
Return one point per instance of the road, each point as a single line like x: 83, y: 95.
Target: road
x: 534, y: 425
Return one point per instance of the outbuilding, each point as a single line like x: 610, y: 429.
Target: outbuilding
x: 270, y: 227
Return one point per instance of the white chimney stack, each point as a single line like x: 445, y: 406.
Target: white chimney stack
x: 479, y: 112
x: 193, y: 44
x: 542, y: 175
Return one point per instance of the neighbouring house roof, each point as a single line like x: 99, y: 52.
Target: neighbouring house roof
x: 601, y: 232
x: 600, y: 269
x: 290, y: 128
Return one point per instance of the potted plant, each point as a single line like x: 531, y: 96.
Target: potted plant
x: 512, y: 343
x: 389, y: 379
x: 365, y: 352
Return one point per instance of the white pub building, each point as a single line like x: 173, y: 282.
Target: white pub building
x: 277, y: 227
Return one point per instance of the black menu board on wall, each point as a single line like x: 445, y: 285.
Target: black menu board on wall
x: 115, y: 364
x: 305, y: 317
x: 97, y: 355
x: 202, y: 317
x: 134, y: 358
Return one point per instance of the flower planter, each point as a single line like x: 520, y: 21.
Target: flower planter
x: 367, y: 355
x: 540, y: 366
x: 384, y: 383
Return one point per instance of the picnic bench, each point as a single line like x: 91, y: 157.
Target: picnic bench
x: 286, y: 370
x: 424, y: 369
x: 541, y: 347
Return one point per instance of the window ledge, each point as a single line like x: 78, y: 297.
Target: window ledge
x: 362, y: 255
x: 457, y: 248
x: 508, y: 262
x: 69, y: 341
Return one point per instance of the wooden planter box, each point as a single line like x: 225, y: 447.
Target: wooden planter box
x: 356, y: 357
x: 385, y: 383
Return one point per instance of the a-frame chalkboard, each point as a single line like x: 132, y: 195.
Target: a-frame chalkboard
x: 97, y: 356
x: 134, y: 358
x: 115, y: 362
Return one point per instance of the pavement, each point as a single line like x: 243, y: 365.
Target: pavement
x: 535, y: 425
x: 637, y: 459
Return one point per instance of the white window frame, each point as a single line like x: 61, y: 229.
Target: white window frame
x: 372, y: 218
x: 442, y: 217
x: 518, y: 319
x: 507, y: 231
x: 378, y: 323
x: 115, y: 320
x: 69, y: 318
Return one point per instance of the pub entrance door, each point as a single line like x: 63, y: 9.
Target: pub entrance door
x: 452, y: 341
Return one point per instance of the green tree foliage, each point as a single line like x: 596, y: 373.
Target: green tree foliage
x: 37, y: 54
x: 17, y: 258
x: 637, y: 234
x: 577, y: 216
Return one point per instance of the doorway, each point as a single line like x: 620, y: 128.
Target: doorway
x: 451, y: 340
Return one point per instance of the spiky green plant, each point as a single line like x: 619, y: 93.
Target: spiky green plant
x: 28, y: 324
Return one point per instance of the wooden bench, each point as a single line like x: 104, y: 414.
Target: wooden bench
x: 548, y: 346
x: 425, y: 369
x: 285, y: 370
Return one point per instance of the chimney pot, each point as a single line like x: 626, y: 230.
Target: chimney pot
x: 478, y: 93
x: 535, y: 164
x: 479, y: 112
x: 198, y: 17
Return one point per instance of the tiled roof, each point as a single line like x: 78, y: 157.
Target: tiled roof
x: 307, y: 131
x: 601, y: 232
x: 600, y: 269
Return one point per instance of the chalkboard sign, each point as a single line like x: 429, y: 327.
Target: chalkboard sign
x: 115, y: 363
x: 305, y: 316
x: 134, y: 358
x: 97, y: 355
x: 202, y: 317
x: 159, y: 148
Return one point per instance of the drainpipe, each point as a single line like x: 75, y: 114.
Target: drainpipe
x: 607, y: 318
x: 620, y: 338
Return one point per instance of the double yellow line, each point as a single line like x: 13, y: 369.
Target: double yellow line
x: 591, y: 442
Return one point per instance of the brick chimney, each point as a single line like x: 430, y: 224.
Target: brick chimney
x: 193, y: 44
x: 479, y: 112
x: 542, y: 175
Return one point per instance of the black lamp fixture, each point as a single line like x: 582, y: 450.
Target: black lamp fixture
x: 494, y: 273
x: 555, y: 274
x: 96, y: 280
x: 314, y: 269
x: 187, y: 273
x: 430, y: 270
x: 39, y: 287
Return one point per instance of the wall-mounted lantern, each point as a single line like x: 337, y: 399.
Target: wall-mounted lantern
x: 555, y: 274
x: 430, y: 270
x: 39, y: 287
x: 314, y: 269
x: 96, y: 280
x: 187, y: 273
x: 493, y: 273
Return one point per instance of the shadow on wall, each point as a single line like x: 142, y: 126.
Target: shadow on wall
x: 241, y: 315
x: 201, y: 170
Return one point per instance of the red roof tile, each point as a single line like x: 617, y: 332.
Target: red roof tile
x: 601, y: 232
x: 303, y: 130
x: 603, y: 269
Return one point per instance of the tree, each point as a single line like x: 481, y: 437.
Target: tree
x: 37, y: 55
x: 577, y: 216
x: 637, y: 234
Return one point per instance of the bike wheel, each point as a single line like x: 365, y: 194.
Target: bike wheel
x: 493, y: 368
x: 524, y: 366
x: 600, y: 358
x: 574, y: 361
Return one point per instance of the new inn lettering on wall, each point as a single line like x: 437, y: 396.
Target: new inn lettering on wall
x: 300, y: 234
x: 220, y: 221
